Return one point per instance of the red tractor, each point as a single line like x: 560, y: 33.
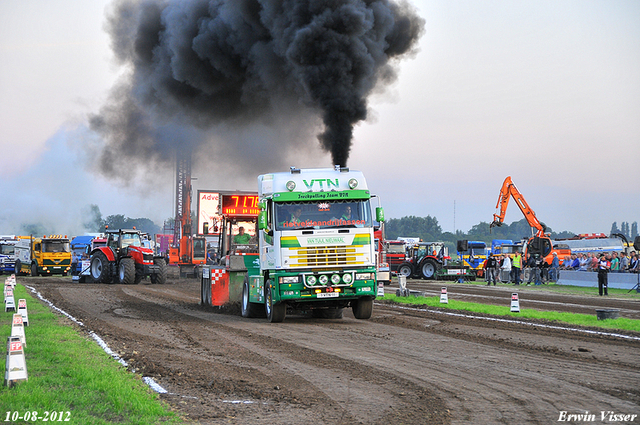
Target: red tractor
x: 125, y: 260
x: 424, y: 260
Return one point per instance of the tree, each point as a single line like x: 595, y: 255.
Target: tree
x: 92, y: 221
x: 35, y: 229
x: 614, y: 228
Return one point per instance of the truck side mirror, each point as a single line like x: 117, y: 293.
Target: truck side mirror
x: 262, y: 220
x: 379, y: 214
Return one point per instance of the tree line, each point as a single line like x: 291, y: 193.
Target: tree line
x: 428, y: 229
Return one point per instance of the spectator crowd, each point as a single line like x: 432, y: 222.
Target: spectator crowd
x: 512, y: 268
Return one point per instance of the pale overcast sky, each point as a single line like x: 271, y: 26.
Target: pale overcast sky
x: 547, y: 92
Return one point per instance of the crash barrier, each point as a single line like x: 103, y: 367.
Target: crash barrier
x: 17, y: 328
x: 444, y: 299
x: 590, y: 279
x: 16, y: 366
x: 515, y: 303
x: 22, y: 309
x: 9, y: 302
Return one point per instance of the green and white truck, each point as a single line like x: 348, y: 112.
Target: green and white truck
x: 316, y: 245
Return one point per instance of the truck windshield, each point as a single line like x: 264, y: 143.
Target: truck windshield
x: 7, y: 249
x: 395, y: 248
x: 322, y: 215
x: 56, y: 246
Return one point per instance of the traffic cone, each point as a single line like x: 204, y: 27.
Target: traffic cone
x: 443, y: 296
x: 22, y: 309
x: 17, y: 328
x: 16, y: 366
x: 515, y: 303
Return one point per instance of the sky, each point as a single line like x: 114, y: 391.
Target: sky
x: 547, y: 92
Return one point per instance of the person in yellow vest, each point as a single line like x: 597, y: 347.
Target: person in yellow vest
x: 516, y: 266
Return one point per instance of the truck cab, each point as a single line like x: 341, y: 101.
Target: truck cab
x: 316, y: 244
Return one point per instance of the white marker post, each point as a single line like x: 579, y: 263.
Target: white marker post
x: 16, y: 366
x: 22, y: 309
x: 444, y: 299
x: 17, y: 328
x: 9, y: 302
x: 515, y: 303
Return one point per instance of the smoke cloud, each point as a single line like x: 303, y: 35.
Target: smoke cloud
x: 196, y: 65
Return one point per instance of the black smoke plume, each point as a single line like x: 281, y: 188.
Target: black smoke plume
x: 201, y: 63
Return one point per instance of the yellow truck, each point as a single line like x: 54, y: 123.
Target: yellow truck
x: 43, y: 256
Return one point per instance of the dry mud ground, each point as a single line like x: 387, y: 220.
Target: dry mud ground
x: 403, y: 366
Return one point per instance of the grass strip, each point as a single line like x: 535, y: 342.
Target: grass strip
x: 574, y: 319
x: 69, y: 372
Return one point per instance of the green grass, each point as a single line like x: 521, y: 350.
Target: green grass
x: 69, y: 372
x: 568, y: 289
x: 494, y: 310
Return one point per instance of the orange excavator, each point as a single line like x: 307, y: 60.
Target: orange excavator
x: 540, y: 244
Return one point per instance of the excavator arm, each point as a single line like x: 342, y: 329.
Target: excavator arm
x: 509, y: 190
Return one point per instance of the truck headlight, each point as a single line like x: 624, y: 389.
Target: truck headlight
x: 324, y: 279
x: 347, y: 278
x: 311, y: 280
x: 364, y: 276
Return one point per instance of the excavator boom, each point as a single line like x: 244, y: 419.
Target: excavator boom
x: 509, y: 190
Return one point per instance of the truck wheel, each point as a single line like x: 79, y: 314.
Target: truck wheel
x: 362, y: 308
x: 127, y: 271
x: 100, y: 268
x: 17, y: 268
x: 248, y: 308
x: 275, y: 312
x: 429, y: 268
x: 405, y: 269
x: 160, y: 277
x: 34, y: 269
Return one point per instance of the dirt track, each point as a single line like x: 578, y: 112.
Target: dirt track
x: 404, y: 366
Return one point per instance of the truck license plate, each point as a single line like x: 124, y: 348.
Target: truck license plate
x: 328, y: 294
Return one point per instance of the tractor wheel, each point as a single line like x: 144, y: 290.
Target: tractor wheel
x: 405, y: 269
x: 100, y: 268
x: 275, y: 312
x: 248, y: 308
x: 161, y: 276
x: 429, y: 268
x: 127, y: 271
x: 362, y: 308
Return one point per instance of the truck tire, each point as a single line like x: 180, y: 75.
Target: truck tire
x: 362, y: 308
x: 405, y: 269
x: 275, y: 312
x: 248, y: 308
x: 127, y: 271
x: 160, y: 277
x: 100, y: 268
x: 17, y: 268
x: 428, y: 268
x: 34, y: 269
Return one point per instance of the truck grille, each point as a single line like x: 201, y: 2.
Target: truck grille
x: 320, y: 256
